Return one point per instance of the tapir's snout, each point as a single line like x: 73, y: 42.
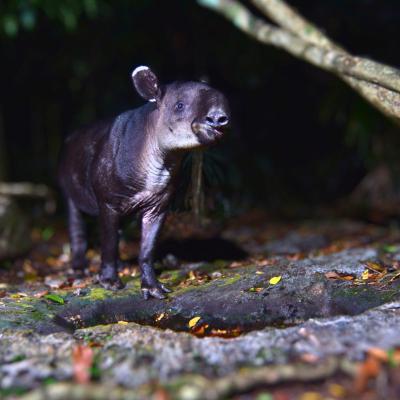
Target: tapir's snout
x: 217, y: 118
x: 209, y: 127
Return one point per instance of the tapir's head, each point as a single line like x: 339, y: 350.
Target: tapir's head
x: 189, y: 114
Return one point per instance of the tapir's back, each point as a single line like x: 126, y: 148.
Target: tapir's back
x: 76, y: 163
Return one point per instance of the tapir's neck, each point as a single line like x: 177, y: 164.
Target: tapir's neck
x: 155, y: 167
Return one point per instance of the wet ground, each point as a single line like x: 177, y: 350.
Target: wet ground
x: 257, y: 307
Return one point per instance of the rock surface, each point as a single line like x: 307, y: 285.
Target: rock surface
x: 14, y: 229
x: 132, y: 355
x: 320, y: 315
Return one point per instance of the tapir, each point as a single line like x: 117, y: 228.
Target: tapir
x: 129, y: 165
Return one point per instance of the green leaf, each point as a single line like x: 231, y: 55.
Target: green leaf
x: 90, y: 7
x: 54, y: 297
x: 264, y: 396
x: 10, y: 25
x: 392, y: 361
x: 47, y: 233
x: 390, y: 248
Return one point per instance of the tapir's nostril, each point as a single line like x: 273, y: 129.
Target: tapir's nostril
x: 216, y: 119
x: 223, y: 120
x: 210, y: 121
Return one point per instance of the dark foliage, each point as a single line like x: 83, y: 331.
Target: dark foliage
x: 300, y: 134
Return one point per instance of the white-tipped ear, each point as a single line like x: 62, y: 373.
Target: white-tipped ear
x: 146, y: 83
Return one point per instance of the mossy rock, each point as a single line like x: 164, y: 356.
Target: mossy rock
x: 14, y: 232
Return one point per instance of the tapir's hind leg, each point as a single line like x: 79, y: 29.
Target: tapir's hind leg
x: 108, y: 276
x: 77, y: 236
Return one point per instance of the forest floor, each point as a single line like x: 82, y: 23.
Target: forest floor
x: 260, y: 310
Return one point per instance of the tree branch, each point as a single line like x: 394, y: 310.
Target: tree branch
x: 377, y: 83
x: 357, y: 67
x: 288, y: 18
x: 27, y: 189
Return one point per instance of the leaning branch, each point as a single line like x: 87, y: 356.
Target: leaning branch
x: 288, y: 18
x: 362, y: 68
x: 27, y: 189
x: 377, y: 83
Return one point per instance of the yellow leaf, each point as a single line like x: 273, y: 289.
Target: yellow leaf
x: 259, y: 273
x: 311, y: 396
x: 123, y: 322
x: 192, y: 276
x: 160, y: 317
x: 337, y: 390
x: 275, y: 279
x: 193, y: 322
x: 365, y: 275
x: 18, y: 295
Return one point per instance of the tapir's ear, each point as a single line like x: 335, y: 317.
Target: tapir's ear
x: 146, y: 83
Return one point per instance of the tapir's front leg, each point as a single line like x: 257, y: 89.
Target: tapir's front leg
x: 109, y: 221
x: 151, y: 225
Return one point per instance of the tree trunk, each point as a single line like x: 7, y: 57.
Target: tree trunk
x: 197, y: 186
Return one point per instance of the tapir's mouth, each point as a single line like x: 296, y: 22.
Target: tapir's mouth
x: 207, y: 134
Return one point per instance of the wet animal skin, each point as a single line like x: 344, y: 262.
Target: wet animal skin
x: 129, y: 164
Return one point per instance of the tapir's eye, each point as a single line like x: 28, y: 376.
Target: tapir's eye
x: 179, y: 106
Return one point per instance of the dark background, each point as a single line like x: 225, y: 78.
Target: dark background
x: 300, y: 136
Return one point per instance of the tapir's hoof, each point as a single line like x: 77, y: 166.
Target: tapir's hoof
x: 111, y: 283
x: 79, y: 267
x: 157, y: 291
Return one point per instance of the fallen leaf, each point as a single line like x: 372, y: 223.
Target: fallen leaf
x: 378, y: 353
x: 123, y: 322
x: 367, y: 370
x: 200, y: 330
x: 332, y: 275
x: 365, y: 275
x: 389, y: 248
x: 265, y: 396
x: 82, y: 357
x: 18, y: 295
x: 160, y: 394
x: 192, y: 276
x: 41, y: 294
x: 193, y: 322
x: 337, y: 390
x: 275, y: 279
x: 226, y: 333
x: 311, y: 396
x: 259, y: 273
x: 391, y: 356
x: 160, y: 317
x: 54, y: 297
x: 375, y: 266
x: 47, y: 233
x: 335, y: 275
x: 309, y: 358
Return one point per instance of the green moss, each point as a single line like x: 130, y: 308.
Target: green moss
x: 360, y: 298
x: 98, y: 294
x: 220, y: 264
x: 13, y: 391
x: 23, y: 305
x: 230, y: 280
x: 171, y: 278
